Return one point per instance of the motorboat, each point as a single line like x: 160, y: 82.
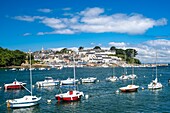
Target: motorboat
x: 112, y: 79
x: 14, y: 85
x: 49, y: 81
x: 27, y: 100
x: 129, y: 88
x: 88, y: 80
x: 72, y: 95
x: 69, y: 81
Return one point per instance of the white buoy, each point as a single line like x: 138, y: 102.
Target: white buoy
x: 143, y: 88
x: 86, y: 96
x: 144, y: 76
x: 98, y: 80
x: 48, y: 101
x: 117, y: 91
x: 32, y: 85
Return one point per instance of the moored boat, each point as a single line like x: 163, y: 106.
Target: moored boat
x: 69, y: 81
x: 124, y: 77
x: 129, y: 88
x: 49, y: 81
x: 112, y: 79
x: 72, y: 95
x: 88, y: 80
x: 14, y: 85
x: 155, y: 84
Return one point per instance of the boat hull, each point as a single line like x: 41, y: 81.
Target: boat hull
x: 129, y: 88
x: 68, y: 99
x: 26, y: 101
x: 46, y: 84
x: 10, y: 87
x: 69, y: 96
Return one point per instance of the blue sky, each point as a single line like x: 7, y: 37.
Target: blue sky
x: 140, y: 24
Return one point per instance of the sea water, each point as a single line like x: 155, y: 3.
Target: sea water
x: 102, y: 95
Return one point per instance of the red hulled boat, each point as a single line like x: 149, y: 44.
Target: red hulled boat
x: 72, y: 95
x: 14, y: 85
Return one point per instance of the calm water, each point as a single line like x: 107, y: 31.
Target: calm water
x: 102, y: 96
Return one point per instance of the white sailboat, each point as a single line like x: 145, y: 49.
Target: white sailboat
x: 71, y: 95
x: 26, y: 101
x: 112, y: 78
x: 155, y: 84
x: 130, y: 88
x: 124, y: 75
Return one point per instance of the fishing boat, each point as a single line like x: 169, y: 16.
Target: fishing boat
x: 69, y: 81
x: 49, y: 81
x: 14, y: 85
x: 26, y: 101
x: 155, y: 84
x: 88, y: 80
x: 129, y: 88
x: 71, y: 95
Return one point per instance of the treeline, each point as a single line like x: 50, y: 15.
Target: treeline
x: 9, y: 57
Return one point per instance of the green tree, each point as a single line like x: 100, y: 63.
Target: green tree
x: 81, y: 48
x: 113, y: 48
x: 97, y: 48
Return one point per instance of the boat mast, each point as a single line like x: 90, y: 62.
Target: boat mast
x: 133, y: 53
x: 30, y: 74
x: 156, y: 65
x: 74, y: 70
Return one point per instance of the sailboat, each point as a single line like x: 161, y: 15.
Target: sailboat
x: 26, y: 101
x: 124, y: 75
x: 129, y: 88
x: 71, y: 95
x: 155, y: 84
x: 112, y: 78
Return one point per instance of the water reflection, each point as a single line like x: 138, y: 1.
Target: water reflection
x: 72, y: 104
x: 34, y: 109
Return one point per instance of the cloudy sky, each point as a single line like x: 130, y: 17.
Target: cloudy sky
x: 139, y: 24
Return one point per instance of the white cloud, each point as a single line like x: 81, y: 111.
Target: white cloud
x: 94, y: 20
x: 45, y: 10
x: 158, y: 43
x: 118, y: 44
x: 28, y: 18
x: 26, y: 34
x: 54, y: 23
x: 92, y: 12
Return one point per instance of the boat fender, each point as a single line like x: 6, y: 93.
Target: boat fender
x: 86, y: 96
x: 8, y: 104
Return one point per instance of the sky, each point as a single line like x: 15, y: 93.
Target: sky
x: 55, y: 24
